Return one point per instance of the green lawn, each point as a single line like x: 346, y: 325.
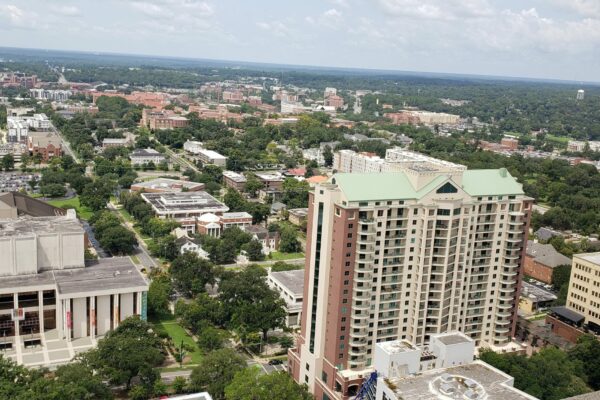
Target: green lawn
x: 177, y: 334
x: 558, y: 139
x: 82, y: 212
x: 277, y: 256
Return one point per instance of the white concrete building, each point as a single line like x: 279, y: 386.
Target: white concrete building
x: 445, y: 370
x: 193, y: 147
x: 290, y: 285
x: 17, y: 130
x: 146, y: 156
x: 53, y: 95
x: 212, y: 158
x: 49, y: 297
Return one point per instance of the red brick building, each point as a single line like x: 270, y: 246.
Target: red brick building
x: 47, y: 144
x: 541, y: 259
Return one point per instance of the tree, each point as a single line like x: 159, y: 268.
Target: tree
x: 166, y: 247
x: 250, y: 384
x: 96, y: 194
x: 288, y: 241
x: 295, y: 193
x: 118, y: 240
x: 159, y: 295
x: 255, y: 251
x: 80, y: 382
x: 53, y: 190
x: 587, y: 352
x: 191, y: 274
x: 132, y: 350
x: 8, y: 162
x: 216, y: 371
x: 210, y: 339
x: 235, y: 201
x: 250, y: 303
x: 328, y: 156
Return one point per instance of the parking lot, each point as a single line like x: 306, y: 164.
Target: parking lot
x: 16, y: 181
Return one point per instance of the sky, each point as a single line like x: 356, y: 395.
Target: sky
x: 558, y: 39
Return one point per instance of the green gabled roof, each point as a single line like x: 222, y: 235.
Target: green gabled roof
x: 490, y: 182
x: 396, y: 186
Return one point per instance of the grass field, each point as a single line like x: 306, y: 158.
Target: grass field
x: 177, y: 334
x: 558, y: 139
x: 82, y: 212
x: 277, y: 256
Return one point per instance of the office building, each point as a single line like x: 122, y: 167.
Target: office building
x: 162, y: 119
x: 580, y: 94
x: 47, y: 144
x: 212, y: 158
x: 581, y: 314
x: 184, y: 207
x: 234, y: 180
x: 53, y: 95
x: 290, y: 286
x: 146, y: 156
x: 166, y: 185
x: 405, y: 255
x: 53, y: 304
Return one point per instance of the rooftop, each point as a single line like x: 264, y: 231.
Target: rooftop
x: 211, y: 154
x: 29, y: 226
x: 104, y: 274
x: 398, y: 346
x: 234, y: 176
x: 536, y: 293
x: 590, y: 257
x: 291, y: 280
x: 477, y: 380
x: 144, y: 153
x: 453, y: 338
x: 166, y: 184
x: 164, y: 202
x: 396, y: 185
x: 546, y: 254
x: 235, y: 215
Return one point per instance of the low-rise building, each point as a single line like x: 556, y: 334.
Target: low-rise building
x: 271, y: 180
x: 444, y: 370
x: 334, y: 101
x: 47, y: 144
x: 187, y: 245
x: 297, y: 216
x: 166, y: 185
x: 214, y: 225
x: 162, y: 119
x: 146, y: 156
x: 234, y: 180
x: 541, y: 259
x: 115, y: 142
x: 269, y: 240
x: 184, y: 207
x: 193, y: 147
x: 212, y: 157
x: 534, y: 299
x: 290, y: 286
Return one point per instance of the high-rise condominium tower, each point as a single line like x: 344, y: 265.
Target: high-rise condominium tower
x: 402, y: 255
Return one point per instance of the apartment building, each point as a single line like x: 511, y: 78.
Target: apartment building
x: 162, y: 119
x: 47, y: 94
x: 405, y: 255
x: 234, y: 180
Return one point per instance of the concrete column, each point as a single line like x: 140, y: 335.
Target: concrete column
x: 16, y: 306
x: 138, y: 306
x: 59, y: 318
x: 79, y: 317
x: 126, y: 306
x: 68, y: 319
x: 41, y: 309
x: 116, y: 313
x: 93, y: 317
x: 103, y: 313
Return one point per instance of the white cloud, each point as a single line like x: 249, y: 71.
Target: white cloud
x: 331, y: 18
x: 276, y: 28
x: 340, y: 3
x: 437, y: 9
x: 13, y: 15
x: 68, y: 11
x: 587, y: 8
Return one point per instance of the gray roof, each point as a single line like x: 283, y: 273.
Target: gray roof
x: 590, y: 257
x: 277, y: 206
x: 300, y: 212
x: 29, y: 206
x: 117, y: 274
x: 547, y: 233
x: 292, y: 280
x: 199, y: 200
x: 536, y: 293
x: 453, y: 338
x: 27, y: 225
x: 546, y: 254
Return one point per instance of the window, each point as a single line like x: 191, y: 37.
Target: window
x: 447, y: 188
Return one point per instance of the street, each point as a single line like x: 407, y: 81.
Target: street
x: 184, y: 164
